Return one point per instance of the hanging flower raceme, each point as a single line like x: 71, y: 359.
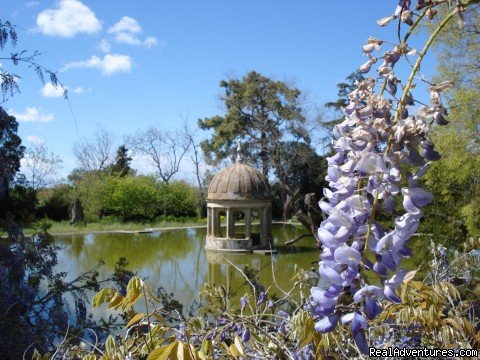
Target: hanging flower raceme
x: 378, y: 140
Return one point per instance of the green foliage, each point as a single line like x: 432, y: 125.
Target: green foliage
x: 20, y: 203
x: 268, y: 116
x: 54, y: 202
x: 178, y: 198
x: 11, y: 150
x: 91, y: 188
x: 300, y: 171
x: 344, y: 88
x: 259, y: 111
x: 121, y: 166
x: 132, y: 197
x: 455, y: 180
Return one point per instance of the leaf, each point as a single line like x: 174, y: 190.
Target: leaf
x: 136, y: 318
x: 100, y: 297
x: 116, y: 301
x: 134, y: 290
x: 110, y: 345
x: 159, y: 317
x: 239, y: 346
x: 308, y: 335
x: 162, y: 353
x: 36, y: 355
x: 409, y: 276
x: 207, y: 346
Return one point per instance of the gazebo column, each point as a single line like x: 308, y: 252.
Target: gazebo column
x: 230, y: 224
x: 268, y: 225
x: 215, y: 222
x: 263, y: 230
x: 248, y: 223
x: 209, y: 222
x: 265, y: 221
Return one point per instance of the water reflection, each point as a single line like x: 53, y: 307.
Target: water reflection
x: 177, y: 261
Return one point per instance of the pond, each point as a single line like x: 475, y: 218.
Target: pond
x: 176, y: 259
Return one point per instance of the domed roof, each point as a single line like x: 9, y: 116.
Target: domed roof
x: 238, y: 182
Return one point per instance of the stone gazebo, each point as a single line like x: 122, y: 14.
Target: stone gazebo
x: 238, y: 192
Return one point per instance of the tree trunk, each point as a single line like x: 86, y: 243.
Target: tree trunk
x: 313, y: 217
x: 264, y: 155
x: 76, y: 213
x: 289, y: 203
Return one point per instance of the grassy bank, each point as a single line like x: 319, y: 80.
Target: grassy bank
x: 62, y: 227
x: 105, y: 225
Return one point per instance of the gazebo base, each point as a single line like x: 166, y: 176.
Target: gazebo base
x: 230, y: 245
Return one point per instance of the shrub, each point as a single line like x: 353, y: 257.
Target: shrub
x: 54, y: 202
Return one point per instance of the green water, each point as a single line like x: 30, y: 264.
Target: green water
x: 176, y: 259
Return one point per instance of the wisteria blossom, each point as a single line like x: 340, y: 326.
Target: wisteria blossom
x: 382, y: 149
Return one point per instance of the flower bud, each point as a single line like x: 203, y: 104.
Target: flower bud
x: 246, y: 335
x: 365, y: 68
x: 431, y: 12
x: 439, y: 118
x: 435, y: 99
x: 386, y: 20
x: 407, y: 17
x: 368, y: 48
x: 445, y: 85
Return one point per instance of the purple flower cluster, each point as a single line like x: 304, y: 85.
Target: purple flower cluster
x: 378, y: 140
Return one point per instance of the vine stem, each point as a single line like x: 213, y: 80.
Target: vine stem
x: 370, y: 220
x: 407, y: 87
x: 405, y: 38
x: 148, y: 315
x: 416, y: 67
x: 422, y: 54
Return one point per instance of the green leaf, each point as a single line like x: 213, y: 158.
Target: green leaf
x: 110, y: 346
x: 239, y: 346
x: 116, y: 301
x: 100, y: 297
x: 134, y: 290
x: 136, y: 318
x: 162, y: 353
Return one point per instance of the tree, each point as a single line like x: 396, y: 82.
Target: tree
x: 455, y: 180
x: 265, y: 114
x: 344, y: 88
x: 41, y: 166
x: 11, y: 151
x: 8, y: 79
x: 94, y: 154
x: 163, y: 149
x: 121, y: 166
x: 259, y: 111
x: 300, y: 171
x: 32, y: 292
x: 197, y: 160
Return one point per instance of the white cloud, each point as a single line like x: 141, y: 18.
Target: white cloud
x: 31, y: 4
x: 126, y: 30
x: 151, y: 41
x: 51, y: 91
x: 32, y: 114
x: 69, y: 18
x: 110, y: 64
x: 105, y: 46
x: 34, y: 139
x: 125, y: 24
x: 79, y: 90
x: 127, y: 38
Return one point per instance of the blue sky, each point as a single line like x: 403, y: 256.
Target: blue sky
x: 129, y: 64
